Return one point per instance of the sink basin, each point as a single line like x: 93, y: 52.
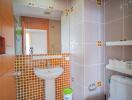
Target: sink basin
x: 49, y: 73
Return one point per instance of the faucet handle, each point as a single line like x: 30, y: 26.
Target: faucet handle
x: 48, y: 62
x: 31, y: 50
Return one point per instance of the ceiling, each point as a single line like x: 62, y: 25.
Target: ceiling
x: 40, y: 8
x: 22, y: 10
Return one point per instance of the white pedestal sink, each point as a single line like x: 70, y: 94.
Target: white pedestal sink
x: 49, y: 76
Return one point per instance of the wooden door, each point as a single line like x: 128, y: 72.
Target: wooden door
x: 7, y: 60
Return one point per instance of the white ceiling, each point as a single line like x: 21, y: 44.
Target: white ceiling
x: 22, y: 8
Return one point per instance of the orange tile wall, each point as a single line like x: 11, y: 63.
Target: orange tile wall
x: 30, y: 87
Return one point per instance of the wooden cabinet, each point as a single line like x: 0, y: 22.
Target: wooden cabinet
x: 7, y: 61
x: 6, y: 10
x: 7, y: 24
x: 8, y: 33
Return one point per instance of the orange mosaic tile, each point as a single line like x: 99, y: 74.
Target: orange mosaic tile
x: 29, y: 86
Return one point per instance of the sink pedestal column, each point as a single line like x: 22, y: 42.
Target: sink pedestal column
x: 50, y: 89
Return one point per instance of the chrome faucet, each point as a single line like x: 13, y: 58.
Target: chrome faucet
x: 48, y: 64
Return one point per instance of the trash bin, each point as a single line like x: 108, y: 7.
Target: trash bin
x: 68, y: 93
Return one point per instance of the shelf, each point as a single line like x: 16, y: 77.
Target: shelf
x: 38, y: 57
x: 121, y: 70
x: 119, y: 43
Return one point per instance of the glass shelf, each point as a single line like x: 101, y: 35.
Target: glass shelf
x: 119, y: 43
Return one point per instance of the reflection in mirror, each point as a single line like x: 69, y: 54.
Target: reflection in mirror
x: 42, y: 28
x: 41, y: 36
x: 35, y: 41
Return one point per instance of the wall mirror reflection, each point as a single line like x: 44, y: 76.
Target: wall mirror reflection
x: 33, y: 39
x: 41, y: 26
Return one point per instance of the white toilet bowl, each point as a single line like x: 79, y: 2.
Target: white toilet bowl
x: 120, y: 88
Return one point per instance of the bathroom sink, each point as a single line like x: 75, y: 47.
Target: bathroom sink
x: 49, y: 73
x: 49, y: 76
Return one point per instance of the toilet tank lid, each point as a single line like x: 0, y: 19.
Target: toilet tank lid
x: 122, y: 79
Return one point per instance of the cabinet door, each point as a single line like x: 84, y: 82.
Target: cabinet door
x: 7, y: 27
x: 7, y: 61
x: 8, y: 33
x: 7, y: 78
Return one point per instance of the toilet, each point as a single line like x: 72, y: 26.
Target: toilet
x: 120, y: 88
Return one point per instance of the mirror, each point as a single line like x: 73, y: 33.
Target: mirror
x: 33, y: 39
x: 42, y: 26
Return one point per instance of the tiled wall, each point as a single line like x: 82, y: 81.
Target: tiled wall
x: 118, y: 22
x: 88, y: 58
x: 118, y: 16
x: 94, y: 55
x: 30, y: 87
x: 65, y: 34
x: 76, y: 49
